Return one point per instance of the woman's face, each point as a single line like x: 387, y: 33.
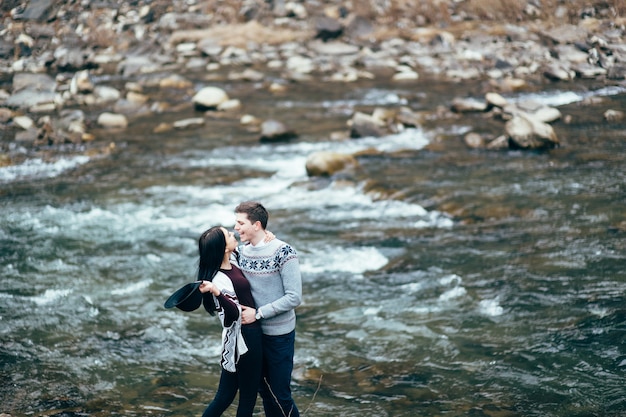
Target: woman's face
x: 231, y: 241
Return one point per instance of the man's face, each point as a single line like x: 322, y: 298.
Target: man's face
x: 244, y: 227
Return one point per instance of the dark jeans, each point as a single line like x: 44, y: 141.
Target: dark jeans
x: 277, y: 367
x: 246, y: 379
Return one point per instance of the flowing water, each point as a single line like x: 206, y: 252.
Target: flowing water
x: 437, y: 280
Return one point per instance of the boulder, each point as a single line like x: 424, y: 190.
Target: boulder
x: 275, y: 131
x: 326, y: 163
x: 528, y: 133
x: 209, y: 98
x: 365, y: 125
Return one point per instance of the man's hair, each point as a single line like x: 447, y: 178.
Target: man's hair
x: 255, y: 212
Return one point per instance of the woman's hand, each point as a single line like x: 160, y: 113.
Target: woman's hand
x: 269, y: 236
x: 248, y: 315
x: 208, y: 286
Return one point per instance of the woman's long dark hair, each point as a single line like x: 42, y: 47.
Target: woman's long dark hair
x: 211, y: 247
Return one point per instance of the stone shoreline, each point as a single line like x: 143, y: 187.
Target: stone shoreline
x: 60, y: 62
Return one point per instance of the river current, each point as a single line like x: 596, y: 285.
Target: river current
x: 437, y: 280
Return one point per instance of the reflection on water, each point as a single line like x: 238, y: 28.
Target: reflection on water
x: 490, y: 284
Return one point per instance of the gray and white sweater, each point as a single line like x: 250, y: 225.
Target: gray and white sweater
x: 273, y: 271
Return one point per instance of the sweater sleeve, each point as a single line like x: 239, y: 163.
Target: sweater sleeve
x: 292, y: 287
x: 231, y: 312
x: 227, y: 300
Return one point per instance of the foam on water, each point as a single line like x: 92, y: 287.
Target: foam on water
x: 38, y: 168
x: 560, y: 98
x: 366, y: 97
x: 452, y: 294
x: 490, y: 307
x: 351, y: 260
x: 348, y: 203
x: 50, y: 296
x: 289, y: 159
x: 132, y: 287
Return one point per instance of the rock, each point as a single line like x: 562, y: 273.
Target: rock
x: 364, y: 125
x: 230, y: 105
x: 249, y: 120
x: 5, y: 161
x: 617, y: 72
x: 547, y: 114
x: 162, y: 127
x: 495, y: 100
x: 208, y: 98
x: 24, y: 122
x: 532, y: 109
x: 588, y: 71
x: 113, y: 120
x: 186, y: 49
x: 136, y: 98
x: 327, y: 28
x: 81, y: 83
x: 463, y: 73
x: 408, y: 118
x: 297, y: 10
x: 466, y: 105
x: 247, y: 75
x: 128, y: 107
x: 29, y: 98
x: 511, y: 84
x: 326, y: 163
x: 106, y: 94
x: 187, y: 123
x: 528, y: 133
x: 210, y: 47
x: 358, y: 28
x: 277, y: 87
x: 570, y: 53
x: 613, y: 115
x: 499, y: 143
x: 300, y: 64
x: 39, y: 82
x: 5, y: 115
x: 564, y: 34
x: 66, y: 59
x: 334, y: 48
x: 175, y: 81
x: 137, y: 64
x: 37, y: 10
x: 275, y: 131
x: 405, y: 74
x: 474, y: 140
x: 559, y: 72
x: 27, y: 137
x: 72, y: 121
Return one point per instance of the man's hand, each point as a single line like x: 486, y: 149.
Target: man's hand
x: 247, y: 315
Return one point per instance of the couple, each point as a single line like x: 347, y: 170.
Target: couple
x: 254, y: 293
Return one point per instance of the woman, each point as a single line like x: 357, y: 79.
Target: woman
x: 225, y: 290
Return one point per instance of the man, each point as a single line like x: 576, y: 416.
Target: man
x: 273, y: 270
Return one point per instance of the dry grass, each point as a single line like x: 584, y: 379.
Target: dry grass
x: 241, y: 34
x: 439, y: 12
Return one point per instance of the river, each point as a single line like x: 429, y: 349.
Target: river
x: 437, y: 280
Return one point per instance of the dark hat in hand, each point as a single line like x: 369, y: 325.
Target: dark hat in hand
x: 186, y: 298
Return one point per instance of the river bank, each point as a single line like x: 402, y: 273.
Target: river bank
x: 75, y: 73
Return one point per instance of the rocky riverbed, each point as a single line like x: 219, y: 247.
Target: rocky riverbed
x: 74, y: 73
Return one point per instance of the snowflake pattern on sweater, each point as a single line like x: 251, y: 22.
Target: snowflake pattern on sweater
x: 281, y: 256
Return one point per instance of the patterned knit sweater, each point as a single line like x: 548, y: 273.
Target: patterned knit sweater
x: 273, y: 271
